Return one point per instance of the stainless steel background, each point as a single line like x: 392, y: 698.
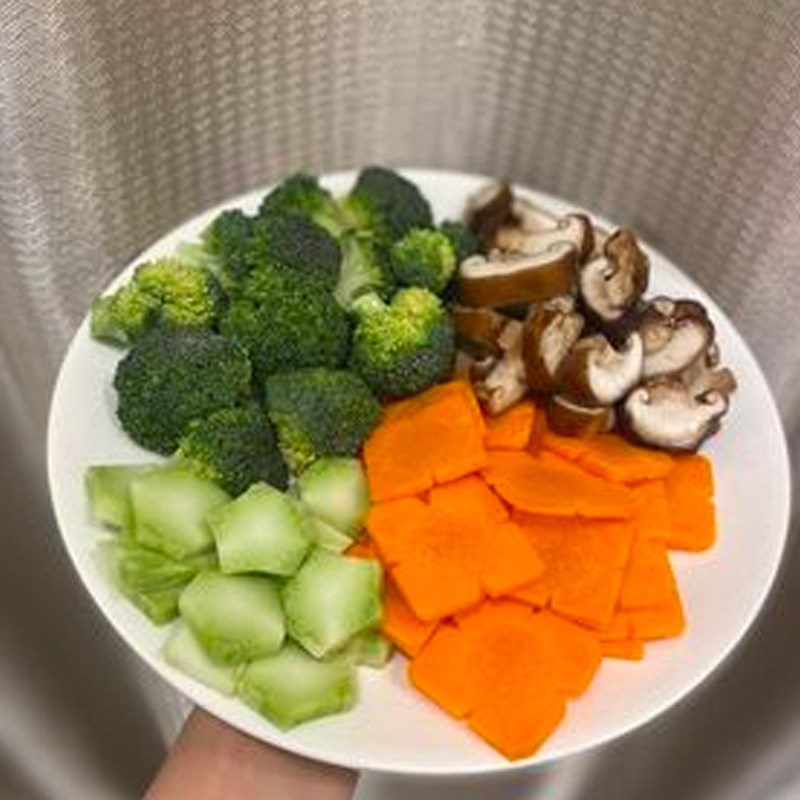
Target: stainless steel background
x: 118, y: 119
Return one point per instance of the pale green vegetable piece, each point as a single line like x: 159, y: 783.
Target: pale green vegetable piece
x: 108, y: 487
x: 262, y: 530
x: 329, y: 538
x: 184, y: 652
x: 330, y: 600
x: 291, y: 686
x: 336, y: 491
x: 235, y: 618
x: 170, y: 507
x: 372, y: 649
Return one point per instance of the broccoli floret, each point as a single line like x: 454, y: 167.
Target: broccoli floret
x: 297, y: 245
x: 227, y: 239
x: 464, y: 241
x: 386, y: 204
x: 285, y: 324
x: 167, y: 290
x: 319, y: 412
x: 423, y: 257
x: 301, y: 194
x: 234, y: 447
x: 172, y: 376
x: 402, y: 348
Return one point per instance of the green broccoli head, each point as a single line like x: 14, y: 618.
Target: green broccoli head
x: 167, y: 290
x: 404, y: 347
x: 285, y: 324
x: 319, y: 412
x: 302, y: 194
x: 299, y: 246
x: 463, y: 240
x: 423, y: 257
x: 387, y: 204
x: 235, y: 447
x: 227, y: 240
x: 172, y: 376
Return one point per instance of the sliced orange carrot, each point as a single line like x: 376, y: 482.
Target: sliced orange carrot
x: 511, y: 430
x: 617, y: 629
x: 693, y: 523
x: 472, y: 493
x: 434, y: 437
x: 407, y: 632
x: 361, y: 548
x: 518, y: 727
x: 568, y: 447
x: 492, y: 614
x: 612, y: 457
x: 652, y: 519
x: 546, y: 536
x: 626, y: 649
x: 393, y: 525
x: 588, y: 593
x: 691, y: 475
x: 435, y: 588
x: 648, y: 579
x: 541, y: 486
x: 576, y: 652
x: 439, y: 670
x: 658, y: 622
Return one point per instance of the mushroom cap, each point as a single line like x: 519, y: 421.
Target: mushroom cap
x: 595, y: 373
x: 676, y: 333
x: 612, y: 283
x: 568, y: 418
x: 506, y: 384
x: 549, y: 333
x: 705, y: 374
x: 487, y: 210
x: 507, y: 279
x: 663, y: 413
x: 478, y: 329
x: 470, y: 368
x: 573, y: 228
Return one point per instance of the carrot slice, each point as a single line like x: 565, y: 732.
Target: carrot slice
x: 626, y: 649
x: 436, y: 436
x: 407, y: 632
x: 694, y: 524
x: 473, y: 493
x: 576, y: 652
x: 541, y: 486
x: 648, y: 579
x: 439, y: 671
x: 652, y: 519
x: 568, y: 447
x: 434, y: 588
x: 512, y: 429
x: 617, y: 629
x: 393, y: 525
x: 658, y: 622
x: 546, y: 536
x: 691, y: 475
x: 615, y: 459
x: 517, y: 727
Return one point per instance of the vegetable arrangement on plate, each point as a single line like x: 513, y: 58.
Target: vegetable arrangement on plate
x: 382, y: 432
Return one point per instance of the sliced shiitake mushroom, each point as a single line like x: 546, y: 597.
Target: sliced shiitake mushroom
x: 612, y: 283
x: 573, y: 228
x: 568, y: 418
x: 506, y: 383
x: 675, y: 333
x: 508, y: 279
x: 595, y: 373
x: 472, y: 368
x: 705, y: 374
x: 478, y: 329
x: 488, y: 210
x: 548, y: 335
x: 663, y: 413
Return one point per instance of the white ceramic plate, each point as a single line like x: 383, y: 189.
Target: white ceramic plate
x: 393, y: 728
